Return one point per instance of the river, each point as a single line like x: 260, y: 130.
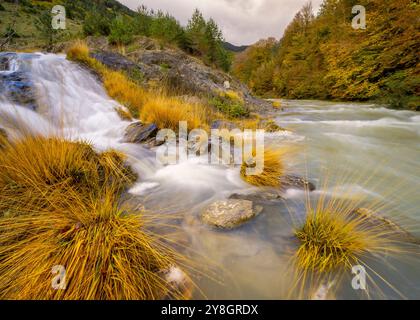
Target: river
x: 359, y: 147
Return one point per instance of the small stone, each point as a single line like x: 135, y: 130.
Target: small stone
x: 138, y: 132
x: 292, y: 181
x: 228, y: 214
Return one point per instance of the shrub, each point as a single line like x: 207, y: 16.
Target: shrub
x: 121, y: 32
x: 96, y: 23
x: 231, y: 108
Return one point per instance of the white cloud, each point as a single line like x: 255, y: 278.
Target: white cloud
x: 242, y: 21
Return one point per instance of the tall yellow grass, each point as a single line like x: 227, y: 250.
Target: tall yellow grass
x: 343, y: 231
x: 274, y: 168
x: 168, y: 112
x: 60, y: 206
x: 36, y: 171
x: 106, y: 252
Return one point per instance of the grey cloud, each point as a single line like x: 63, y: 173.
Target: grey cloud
x: 242, y: 21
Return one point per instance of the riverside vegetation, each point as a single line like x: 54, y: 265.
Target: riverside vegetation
x: 61, y: 202
x: 323, y: 57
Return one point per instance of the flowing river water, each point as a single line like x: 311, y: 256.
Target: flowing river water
x: 364, y: 148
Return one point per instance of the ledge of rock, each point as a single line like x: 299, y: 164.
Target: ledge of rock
x: 188, y: 75
x: 16, y: 85
x: 229, y: 214
x: 138, y: 132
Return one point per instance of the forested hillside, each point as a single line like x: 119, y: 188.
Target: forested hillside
x: 323, y: 57
x: 28, y: 24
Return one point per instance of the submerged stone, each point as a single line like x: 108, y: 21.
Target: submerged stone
x: 228, y: 214
x: 178, y: 283
x: 293, y: 181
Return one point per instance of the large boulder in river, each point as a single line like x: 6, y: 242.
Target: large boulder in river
x: 228, y: 214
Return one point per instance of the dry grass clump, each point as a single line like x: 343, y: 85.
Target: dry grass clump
x: 168, y: 112
x: 329, y: 240
x: 3, y: 138
x: 59, y: 206
x: 106, y: 253
x: 125, y: 91
x: 277, y: 104
x: 152, y: 107
x: 274, y: 169
x: 35, y: 172
x: 79, y: 51
x: 233, y: 95
x: 337, y: 235
x: 332, y: 239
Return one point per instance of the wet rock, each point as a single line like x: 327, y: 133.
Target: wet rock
x: 271, y: 126
x: 223, y: 124
x: 292, y: 181
x: 228, y: 214
x: 138, y: 132
x: 114, y: 60
x: 17, y: 87
x: 5, y: 62
x: 258, y: 197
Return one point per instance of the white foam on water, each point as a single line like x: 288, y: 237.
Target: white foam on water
x: 141, y: 188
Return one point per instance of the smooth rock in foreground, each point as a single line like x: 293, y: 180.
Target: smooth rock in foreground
x: 228, y: 214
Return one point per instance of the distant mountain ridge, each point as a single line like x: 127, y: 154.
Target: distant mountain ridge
x: 231, y: 47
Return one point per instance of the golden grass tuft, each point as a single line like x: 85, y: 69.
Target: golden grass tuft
x: 168, y: 112
x: 276, y: 104
x: 233, y: 95
x: 36, y: 171
x: 106, y: 252
x: 3, y: 138
x: 273, y: 169
x: 329, y: 240
x: 60, y: 206
x: 125, y: 91
x: 78, y: 51
x: 342, y: 230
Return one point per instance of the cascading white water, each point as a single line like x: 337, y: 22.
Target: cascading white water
x: 73, y: 103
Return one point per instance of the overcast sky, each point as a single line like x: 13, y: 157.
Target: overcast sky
x: 243, y: 21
